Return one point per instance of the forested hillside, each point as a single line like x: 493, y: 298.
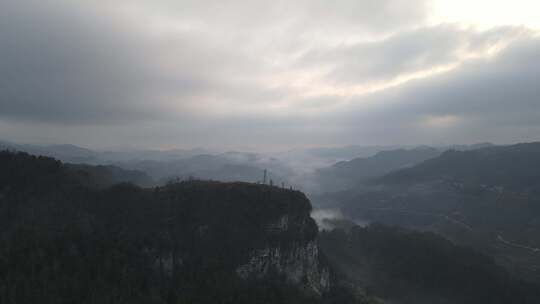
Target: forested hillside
x: 68, y: 239
x: 62, y: 241
x: 409, y: 267
x: 514, y: 167
x: 487, y: 198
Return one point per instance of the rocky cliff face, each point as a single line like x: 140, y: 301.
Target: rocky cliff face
x: 298, y: 260
x: 300, y: 265
x: 266, y: 230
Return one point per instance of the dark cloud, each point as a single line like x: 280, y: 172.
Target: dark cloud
x: 69, y: 63
x: 63, y: 64
x: 495, y: 99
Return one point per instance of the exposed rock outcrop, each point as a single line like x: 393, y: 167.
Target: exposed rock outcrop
x: 269, y: 232
x: 300, y: 264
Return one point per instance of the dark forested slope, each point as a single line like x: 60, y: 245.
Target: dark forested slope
x: 62, y: 241
x: 409, y: 267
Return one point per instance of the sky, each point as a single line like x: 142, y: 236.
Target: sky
x: 269, y: 75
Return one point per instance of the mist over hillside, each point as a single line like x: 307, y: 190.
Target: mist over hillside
x: 314, y: 170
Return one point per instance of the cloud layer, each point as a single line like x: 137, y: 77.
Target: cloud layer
x: 260, y: 74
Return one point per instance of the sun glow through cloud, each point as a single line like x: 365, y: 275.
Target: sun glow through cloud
x: 487, y: 13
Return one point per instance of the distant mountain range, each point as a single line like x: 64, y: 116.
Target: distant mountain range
x: 346, y: 174
x: 296, y: 168
x: 75, y: 154
x: 163, y: 166
x: 487, y: 198
x: 514, y: 167
x: 215, y: 167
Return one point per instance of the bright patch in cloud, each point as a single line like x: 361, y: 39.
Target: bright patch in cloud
x: 487, y: 13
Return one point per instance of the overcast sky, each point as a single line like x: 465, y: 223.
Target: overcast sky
x: 250, y: 74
